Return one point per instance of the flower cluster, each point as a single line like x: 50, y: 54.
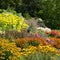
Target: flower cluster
x: 40, y: 48
x: 9, y: 50
x: 55, y: 33
x: 10, y: 21
x: 56, y: 42
x: 47, y: 49
x: 47, y: 30
x: 34, y: 41
x: 29, y: 50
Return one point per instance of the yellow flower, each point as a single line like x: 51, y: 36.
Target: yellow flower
x: 47, y: 49
x: 10, y: 47
x: 58, y: 54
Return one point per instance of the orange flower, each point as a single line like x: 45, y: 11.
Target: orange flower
x: 56, y: 42
x: 55, y: 33
x: 31, y: 39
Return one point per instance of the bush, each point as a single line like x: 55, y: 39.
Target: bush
x: 11, y: 22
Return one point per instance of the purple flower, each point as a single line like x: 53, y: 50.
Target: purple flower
x: 38, y: 35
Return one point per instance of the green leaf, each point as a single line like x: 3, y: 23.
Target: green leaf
x: 23, y: 58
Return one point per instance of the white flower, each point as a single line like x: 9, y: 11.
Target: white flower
x: 41, y: 28
x: 47, y: 30
x: 40, y: 19
x: 44, y: 29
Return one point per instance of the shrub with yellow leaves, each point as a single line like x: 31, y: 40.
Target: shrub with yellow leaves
x: 9, y: 21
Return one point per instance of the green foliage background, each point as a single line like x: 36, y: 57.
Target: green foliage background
x: 48, y: 10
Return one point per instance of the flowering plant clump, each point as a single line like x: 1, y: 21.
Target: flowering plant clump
x: 47, y: 30
x: 42, y: 48
x: 34, y: 41
x: 29, y: 50
x: 54, y: 33
x: 8, y: 51
x: 56, y: 42
x: 47, y: 50
x: 9, y: 21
